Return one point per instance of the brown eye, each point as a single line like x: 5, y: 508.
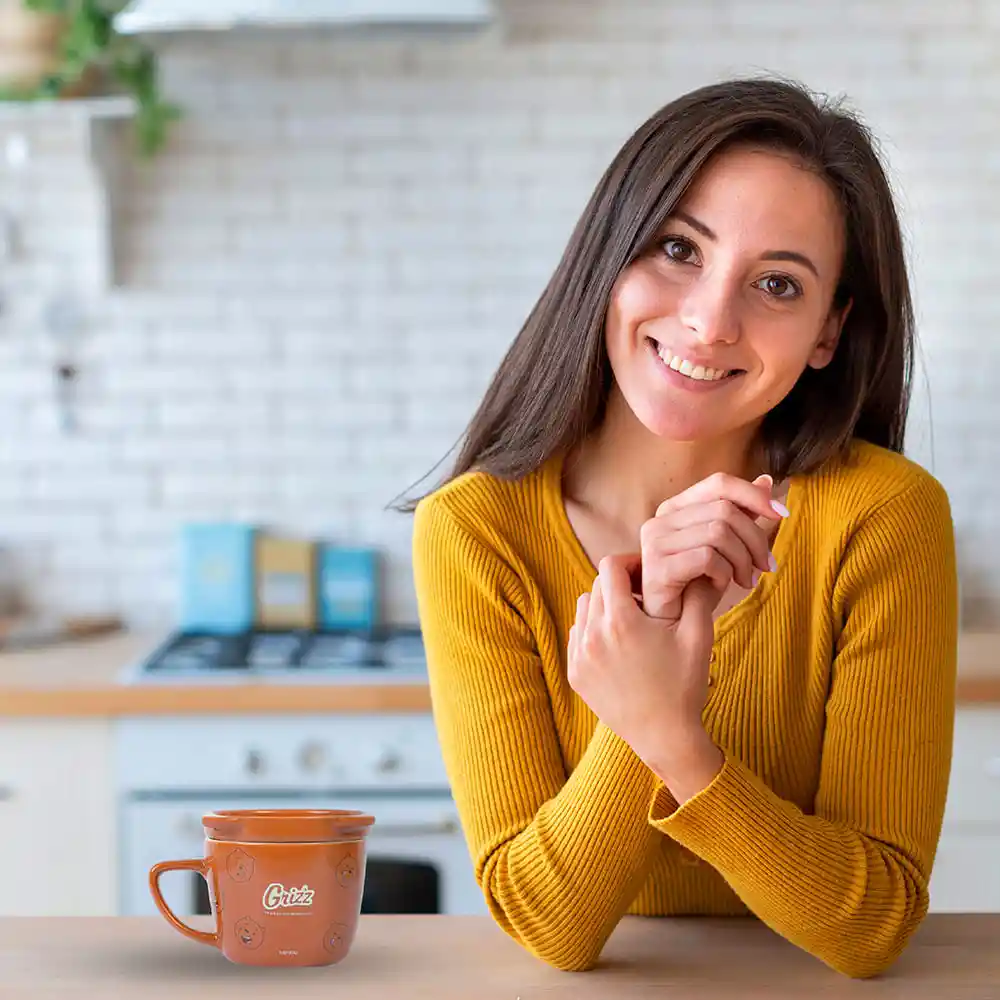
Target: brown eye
x: 779, y: 287
x: 678, y: 250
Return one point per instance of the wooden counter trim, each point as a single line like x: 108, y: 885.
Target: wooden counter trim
x: 237, y: 699
x: 248, y: 699
x: 984, y: 690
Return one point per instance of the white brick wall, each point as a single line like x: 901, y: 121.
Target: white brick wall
x: 323, y: 269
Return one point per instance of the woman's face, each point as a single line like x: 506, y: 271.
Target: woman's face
x: 712, y: 328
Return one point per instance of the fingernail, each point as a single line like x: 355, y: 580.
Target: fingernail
x: 754, y: 578
x: 764, y: 480
x: 772, y: 563
x: 779, y: 508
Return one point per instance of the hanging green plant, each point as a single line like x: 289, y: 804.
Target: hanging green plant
x: 90, y: 47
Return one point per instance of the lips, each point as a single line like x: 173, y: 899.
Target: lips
x: 694, y: 370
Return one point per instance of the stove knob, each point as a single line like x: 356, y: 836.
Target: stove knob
x: 253, y: 763
x: 312, y: 756
x: 389, y: 761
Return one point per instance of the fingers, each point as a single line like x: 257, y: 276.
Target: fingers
x: 699, y: 603
x: 579, y: 625
x: 750, y: 497
x: 610, y: 595
x: 668, y: 578
x: 766, y: 484
x: 613, y: 574
x: 699, y: 597
x: 720, y: 523
x: 684, y: 567
x: 712, y: 535
x: 596, y: 610
x: 722, y: 512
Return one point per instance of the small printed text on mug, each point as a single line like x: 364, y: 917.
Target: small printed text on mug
x: 276, y: 896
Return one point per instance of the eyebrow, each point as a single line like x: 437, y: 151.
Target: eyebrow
x: 790, y: 255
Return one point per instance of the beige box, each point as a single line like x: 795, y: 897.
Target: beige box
x: 285, y: 582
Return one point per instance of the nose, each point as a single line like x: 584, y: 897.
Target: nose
x: 709, y: 309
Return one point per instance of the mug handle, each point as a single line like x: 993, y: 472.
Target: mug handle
x: 203, y: 867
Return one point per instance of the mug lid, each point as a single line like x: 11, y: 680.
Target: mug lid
x: 262, y: 826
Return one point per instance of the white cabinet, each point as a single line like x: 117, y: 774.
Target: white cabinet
x: 57, y: 818
x: 966, y: 875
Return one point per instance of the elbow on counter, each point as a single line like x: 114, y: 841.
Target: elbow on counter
x: 568, y: 961
x: 568, y: 950
x: 869, y: 951
x: 562, y: 954
x: 554, y: 935
x: 863, y: 964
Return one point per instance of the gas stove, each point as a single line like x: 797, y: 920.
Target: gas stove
x: 391, y: 655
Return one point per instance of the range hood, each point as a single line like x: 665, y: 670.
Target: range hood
x: 146, y: 16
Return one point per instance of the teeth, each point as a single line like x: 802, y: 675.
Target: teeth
x: 698, y: 372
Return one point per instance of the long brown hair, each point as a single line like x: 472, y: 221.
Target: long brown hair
x: 551, y: 388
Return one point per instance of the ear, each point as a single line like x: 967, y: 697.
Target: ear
x: 822, y: 353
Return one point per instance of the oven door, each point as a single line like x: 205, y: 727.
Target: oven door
x: 416, y: 857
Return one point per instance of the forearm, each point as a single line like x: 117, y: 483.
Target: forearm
x: 561, y: 885
x: 849, y: 900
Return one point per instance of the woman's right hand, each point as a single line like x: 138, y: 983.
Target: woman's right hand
x: 714, y: 529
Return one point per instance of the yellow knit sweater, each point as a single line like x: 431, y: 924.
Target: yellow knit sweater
x: 832, y: 698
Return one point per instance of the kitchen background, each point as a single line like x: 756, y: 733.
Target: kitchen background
x: 286, y: 317
x: 318, y: 274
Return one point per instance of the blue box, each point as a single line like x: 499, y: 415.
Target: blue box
x: 348, y: 588
x: 217, y: 573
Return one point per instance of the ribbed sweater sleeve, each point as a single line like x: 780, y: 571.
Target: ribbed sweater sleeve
x: 848, y: 882
x: 559, y: 856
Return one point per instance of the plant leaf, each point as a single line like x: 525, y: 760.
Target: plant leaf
x: 48, y: 6
x: 90, y: 40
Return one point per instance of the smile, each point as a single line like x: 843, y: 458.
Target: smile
x: 686, y: 375
x: 700, y: 373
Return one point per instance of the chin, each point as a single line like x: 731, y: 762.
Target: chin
x: 671, y: 425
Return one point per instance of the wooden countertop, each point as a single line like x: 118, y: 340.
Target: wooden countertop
x: 83, y: 679
x: 951, y: 956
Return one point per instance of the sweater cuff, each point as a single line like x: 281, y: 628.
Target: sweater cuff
x: 613, y: 774
x: 713, y: 823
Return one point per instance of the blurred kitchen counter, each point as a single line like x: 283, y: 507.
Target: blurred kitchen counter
x: 82, y: 678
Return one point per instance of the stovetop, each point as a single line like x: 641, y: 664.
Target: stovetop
x: 389, y: 655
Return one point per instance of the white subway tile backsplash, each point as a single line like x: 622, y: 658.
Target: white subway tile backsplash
x: 35, y: 385
x: 218, y: 492
x: 54, y: 522
x: 278, y: 310
x: 222, y: 415
x: 333, y: 412
x: 212, y: 343
x: 176, y: 379
x: 155, y: 452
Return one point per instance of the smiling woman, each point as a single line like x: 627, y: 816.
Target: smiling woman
x: 690, y: 615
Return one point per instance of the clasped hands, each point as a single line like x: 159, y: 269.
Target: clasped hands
x: 642, y: 664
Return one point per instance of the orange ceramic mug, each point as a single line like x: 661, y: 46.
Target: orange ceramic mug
x: 285, y: 885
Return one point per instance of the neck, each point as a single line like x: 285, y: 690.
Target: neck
x: 623, y: 472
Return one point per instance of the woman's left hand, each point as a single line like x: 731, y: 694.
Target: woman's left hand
x: 645, y: 678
